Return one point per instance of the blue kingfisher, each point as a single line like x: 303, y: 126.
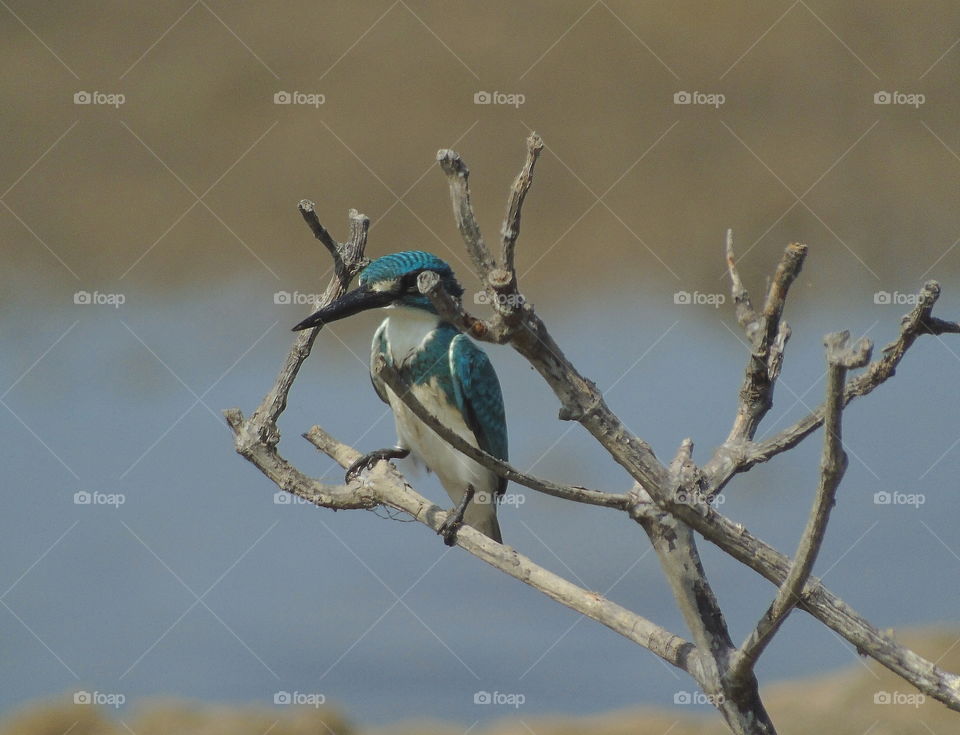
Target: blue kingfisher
x: 446, y: 371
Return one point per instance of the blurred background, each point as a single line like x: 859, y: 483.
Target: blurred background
x: 153, y: 158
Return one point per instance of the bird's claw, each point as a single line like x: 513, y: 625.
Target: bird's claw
x: 371, y: 458
x: 448, y: 529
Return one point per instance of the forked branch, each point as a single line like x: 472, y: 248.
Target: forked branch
x: 670, y: 503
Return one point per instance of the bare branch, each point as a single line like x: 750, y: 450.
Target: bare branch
x: 521, y: 185
x: 308, y: 211
x: 746, y: 316
x: 918, y: 322
x: 833, y: 464
x: 768, y: 339
x: 451, y: 310
x: 256, y: 440
x: 581, y: 401
x: 388, y: 486
x: 823, y: 605
x: 457, y: 177
x: 656, y: 502
x: 263, y: 423
x: 680, y: 560
x: 388, y: 373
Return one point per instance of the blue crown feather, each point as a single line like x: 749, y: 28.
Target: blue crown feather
x: 397, y: 265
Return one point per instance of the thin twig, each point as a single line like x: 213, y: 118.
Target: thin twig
x: 457, y: 177
x: 918, y: 322
x: 767, y: 339
x: 389, y: 374
x: 833, y: 463
x: 388, y: 486
x: 521, y: 185
x: 309, y: 214
x: 746, y: 316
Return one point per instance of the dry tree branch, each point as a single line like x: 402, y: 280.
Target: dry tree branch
x: 518, y: 192
x: 581, y: 401
x: 676, y: 548
x: 516, y: 322
x: 389, y: 488
x: 767, y: 334
x: 661, y: 500
x: 389, y: 374
x: 256, y: 440
x: 833, y: 464
x: 919, y: 321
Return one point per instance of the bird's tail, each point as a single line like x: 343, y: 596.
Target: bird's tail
x: 484, y: 519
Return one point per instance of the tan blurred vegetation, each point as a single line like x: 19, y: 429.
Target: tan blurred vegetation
x: 399, y: 80
x: 836, y: 704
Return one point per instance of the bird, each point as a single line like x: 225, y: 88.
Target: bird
x: 450, y: 375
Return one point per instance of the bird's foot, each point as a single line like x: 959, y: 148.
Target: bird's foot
x: 371, y: 458
x: 448, y: 529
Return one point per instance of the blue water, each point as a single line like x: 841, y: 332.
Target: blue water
x: 200, y: 586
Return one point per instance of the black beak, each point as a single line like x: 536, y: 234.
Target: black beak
x: 353, y: 302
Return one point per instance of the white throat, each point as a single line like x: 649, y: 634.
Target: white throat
x: 406, y: 329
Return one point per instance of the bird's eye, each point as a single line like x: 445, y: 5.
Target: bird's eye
x: 408, y: 283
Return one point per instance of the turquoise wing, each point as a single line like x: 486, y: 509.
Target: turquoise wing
x: 476, y: 390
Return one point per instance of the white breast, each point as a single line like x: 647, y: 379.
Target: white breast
x: 406, y: 329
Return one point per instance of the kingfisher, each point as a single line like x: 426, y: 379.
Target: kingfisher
x: 446, y: 372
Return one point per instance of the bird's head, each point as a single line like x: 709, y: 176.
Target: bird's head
x: 390, y: 281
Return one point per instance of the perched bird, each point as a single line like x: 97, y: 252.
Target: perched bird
x: 446, y: 371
